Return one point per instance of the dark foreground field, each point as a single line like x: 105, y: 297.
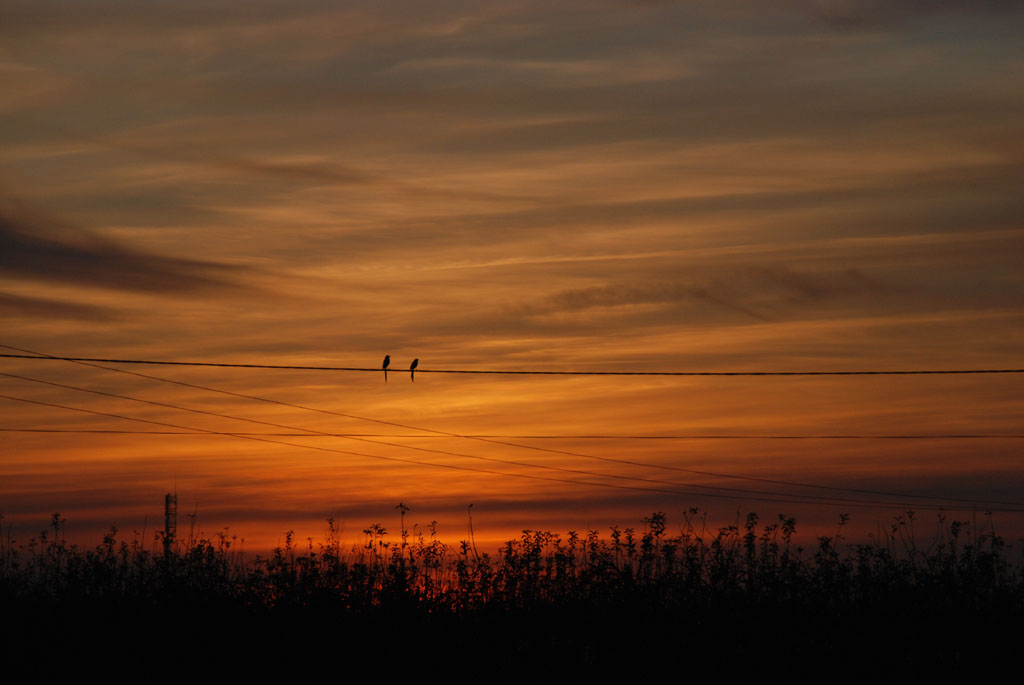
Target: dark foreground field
x: 740, y: 599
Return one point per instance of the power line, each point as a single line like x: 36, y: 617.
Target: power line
x: 328, y: 449
x: 808, y: 498
x: 479, y: 470
x: 911, y: 372
x: 528, y: 465
x: 957, y: 436
x: 514, y: 444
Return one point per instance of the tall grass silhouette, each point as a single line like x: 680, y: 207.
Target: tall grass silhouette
x: 717, y: 588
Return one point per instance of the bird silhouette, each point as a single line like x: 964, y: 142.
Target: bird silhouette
x: 412, y: 369
x: 387, y: 361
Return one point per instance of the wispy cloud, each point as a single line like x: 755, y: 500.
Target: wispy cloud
x: 21, y: 306
x: 760, y: 292
x: 860, y: 13
x: 42, y: 250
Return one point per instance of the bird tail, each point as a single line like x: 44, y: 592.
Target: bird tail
x: 385, y: 375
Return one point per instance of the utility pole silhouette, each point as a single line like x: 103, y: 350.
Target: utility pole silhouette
x: 170, y: 522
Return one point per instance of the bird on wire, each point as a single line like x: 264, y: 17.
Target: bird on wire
x: 412, y: 369
x: 387, y: 361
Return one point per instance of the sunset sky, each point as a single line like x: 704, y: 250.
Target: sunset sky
x: 729, y: 185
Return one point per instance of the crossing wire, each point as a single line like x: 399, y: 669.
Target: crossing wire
x: 750, y: 478
x: 808, y: 498
x: 486, y: 471
x: 520, y: 445
x: 954, y: 436
x: 911, y: 372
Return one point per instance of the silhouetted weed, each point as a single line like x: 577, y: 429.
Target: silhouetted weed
x: 744, y: 586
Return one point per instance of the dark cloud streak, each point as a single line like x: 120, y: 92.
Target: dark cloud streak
x: 32, y: 248
x: 20, y: 306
